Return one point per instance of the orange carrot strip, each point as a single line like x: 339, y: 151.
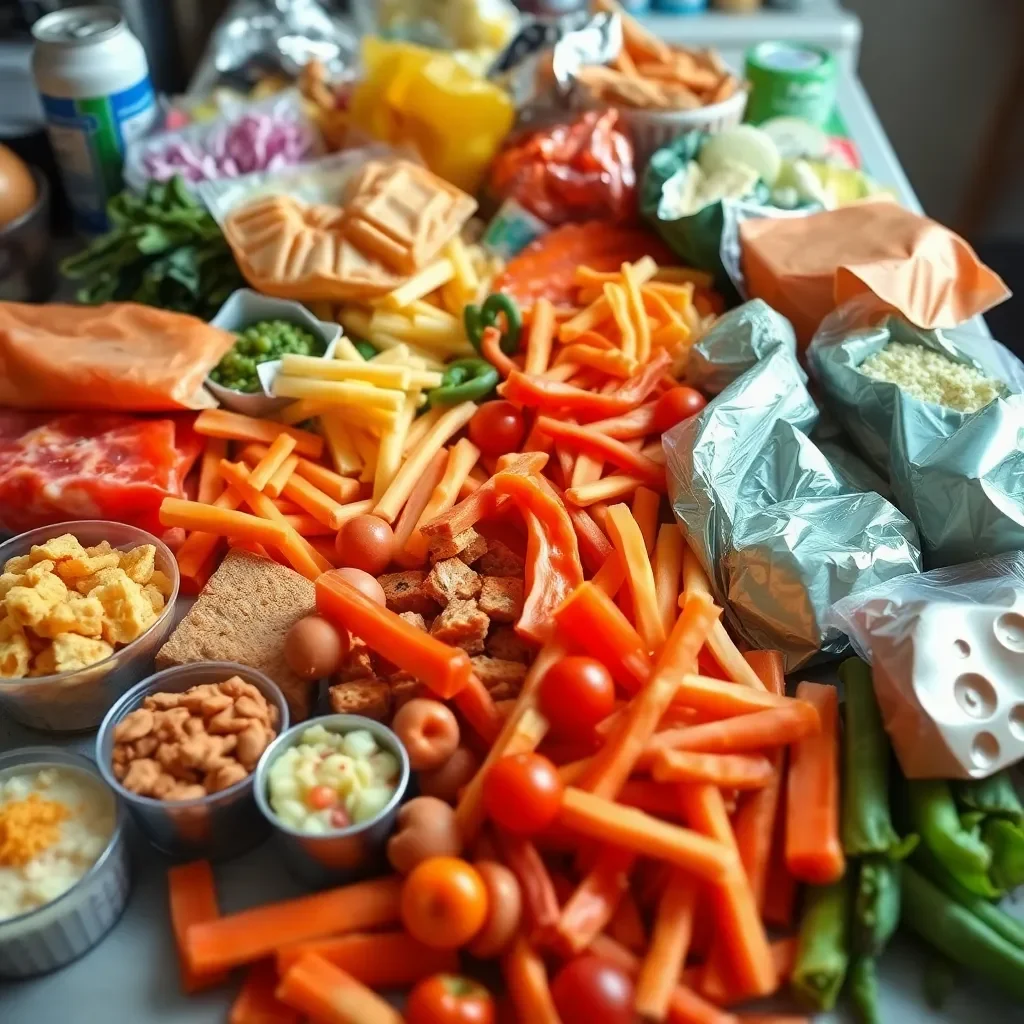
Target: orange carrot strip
x: 326, y: 548
x: 289, y: 508
x: 199, y: 548
x: 814, y: 852
x: 602, y: 819
x: 334, y: 485
x: 540, y: 901
x: 446, y: 670
x: 412, y: 511
x: 257, y: 1002
x: 627, y: 926
x: 780, y: 887
x: 538, y: 344
x: 461, y: 458
x: 604, y: 447
x: 646, y: 506
x: 490, y: 349
x: 377, y: 959
x: 283, y: 445
x: 588, y: 470
x: 319, y: 505
x: 234, y: 427
x: 730, y: 771
x: 594, y: 546
x: 685, y: 1006
x: 306, y: 526
x: 651, y: 797
x: 670, y: 942
x: 740, y: 930
x: 608, y: 488
x: 527, y: 981
x: 723, y: 992
x: 331, y: 996
x: 604, y: 358
x: 637, y: 423
x: 668, y: 567
x: 613, y: 765
x: 193, y: 900
x: 722, y: 699
x: 276, y: 484
x: 593, y: 903
x: 477, y: 707
x: 625, y: 535
x: 210, y: 483
x: 591, y: 620
x: 253, y: 934
x: 221, y: 521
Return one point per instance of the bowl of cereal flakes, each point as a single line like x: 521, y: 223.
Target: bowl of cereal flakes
x: 84, y: 606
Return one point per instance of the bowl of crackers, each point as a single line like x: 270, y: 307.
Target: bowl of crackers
x: 84, y: 606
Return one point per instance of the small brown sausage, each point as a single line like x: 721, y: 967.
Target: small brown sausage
x: 429, y: 731
x: 426, y: 828
x: 447, y: 779
x: 505, y: 908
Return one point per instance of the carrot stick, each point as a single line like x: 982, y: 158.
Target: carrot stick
x: 587, y: 470
x: 446, y: 670
x: 625, y: 535
x: 221, y: 521
x: 651, y: 797
x: 730, y: 771
x: 646, y: 507
x: 740, y: 930
x: 252, y: 934
x: 540, y: 901
x: 461, y: 458
x: 627, y: 926
x: 319, y: 505
x: 613, y: 765
x: 257, y: 1002
x: 593, y: 903
x: 334, y: 485
x: 593, y: 544
x: 722, y: 699
x: 477, y: 707
x: 604, y: 447
x: 670, y: 942
x: 814, y: 852
x: 377, y: 959
x: 668, y: 566
x: 210, y: 483
x: 606, y: 489
x: 193, y: 900
x: 780, y: 886
x: 624, y: 826
x: 283, y: 445
x: 637, y: 423
x: 723, y: 992
x: 232, y: 426
x: 306, y: 526
x: 527, y: 981
x: 276, y: 484
x: 331, y: 996
x: 538, y: 344
x: 412, y: 511
x: 199, y: 548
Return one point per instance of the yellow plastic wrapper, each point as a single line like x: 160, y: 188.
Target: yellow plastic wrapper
x: 455, y: 119
x: 807, y: 266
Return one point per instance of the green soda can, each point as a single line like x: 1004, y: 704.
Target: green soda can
x: 791, y: 80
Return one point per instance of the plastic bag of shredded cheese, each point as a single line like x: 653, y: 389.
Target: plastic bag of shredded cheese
x: 939, y: 413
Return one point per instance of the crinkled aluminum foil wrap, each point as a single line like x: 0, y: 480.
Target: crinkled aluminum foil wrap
x: 780, y: 532
x: 947, y: 653
x: 958, y: 476
x: 260, y: 37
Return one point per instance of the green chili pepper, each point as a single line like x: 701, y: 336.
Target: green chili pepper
x: 822, y: 955
x: 864, y: 990
x: 876, y: 905
x: 1006, y: 841
x: 995, y: 795
x: 478, y: 318
x: 465, y: 380
x: 364, y: 348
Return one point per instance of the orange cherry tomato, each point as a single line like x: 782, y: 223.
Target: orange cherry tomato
x: 321, y: 797
x: 449, y: 999
x: 675, y: 406
x: 367, y: 543
x: 523, y: 793
x: 497, y: 428
x: 575, y: 694
x: 364, y: 583
x: 444, y: 902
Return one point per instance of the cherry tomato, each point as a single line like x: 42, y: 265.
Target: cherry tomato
x: 588, y: 989
x: 364, y: 583
x: 576, y: 694
x: 523, y: 793
x: 321, y: 797
x: 366, y: 543
x: 675, y: 406
x: 444, y: 902
x: 497, y: 428
x: 449, y: 999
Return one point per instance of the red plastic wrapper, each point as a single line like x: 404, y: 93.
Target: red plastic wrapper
x: 115, y: 467
x: 571, y: 172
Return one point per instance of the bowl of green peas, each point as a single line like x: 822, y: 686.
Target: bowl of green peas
x: 266, y: 329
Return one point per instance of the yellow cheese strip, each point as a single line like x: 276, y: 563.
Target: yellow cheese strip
x: 367, y: 446
x: 345, y: 349
x: 450, y: 423
x: 639, y: 314
x: 344, y: 456
x: 462, y: 266
x: 420, y: 426
x: 392, y: 446
x: 338, y: 369
x: 431, y: 360
x: 375, y: 421
x: 424, y: 331
x: 681, y: 275
x: 399, y: 355
x: 645, y: 269
x: 626, y: 538
x: 421, y: 284
x: 304, y: 409
x: 419, y: 308
x: 355, y: 320
x: 363, y: 507
x: 619, y: 305
x: 338, y: 392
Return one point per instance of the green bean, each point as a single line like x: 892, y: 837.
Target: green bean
x: 1006, y: 841
x: 994, y: 795
x: 876, y: 905
x: 822, y: 955
x: 465, y: 380
x: 477, y: 318
x: 864, y: 990
x: 934, y: 816
x: 952, y: 929
x: 867, y: 823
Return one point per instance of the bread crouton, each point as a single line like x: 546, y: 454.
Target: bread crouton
x: 502, y: 679
x: 501, y: 598
x: 462, y: 624
x: 407, y: 592
x: 404, y: 688
x: 357, y: 663
x: 468, y: 545
x: 451, y: 578
x: 414, y: 619
x: 505, y: 643
x: 501, y: 560
x: 370, y: 697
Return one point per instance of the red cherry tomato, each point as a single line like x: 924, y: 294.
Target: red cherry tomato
x: 675, y: 406
x: 576, y: 694
x: 367, y: 543
x: 497, y: 428
x: 589, y: 989
x: 523, y: 793
x: 449, y: 999
x: 364, y: 583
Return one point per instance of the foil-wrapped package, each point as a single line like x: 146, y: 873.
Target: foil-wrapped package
x: 947, y: 653
x: 781, y: 533
x: 958, y: 475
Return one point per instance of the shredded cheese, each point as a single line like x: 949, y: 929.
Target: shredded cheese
x: 29, y: 827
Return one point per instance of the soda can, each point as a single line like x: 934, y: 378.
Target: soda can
x: 93, y: 80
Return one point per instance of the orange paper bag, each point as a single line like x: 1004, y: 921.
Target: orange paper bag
x: 806, y: 266
x: 116, y: 357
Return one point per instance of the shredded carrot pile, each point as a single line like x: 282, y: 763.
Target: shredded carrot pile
x: 29, y: 827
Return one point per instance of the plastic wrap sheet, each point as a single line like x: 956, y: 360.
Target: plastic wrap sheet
x: 780, y: 531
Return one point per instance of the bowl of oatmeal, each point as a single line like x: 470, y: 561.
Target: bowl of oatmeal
x: 64, y: 876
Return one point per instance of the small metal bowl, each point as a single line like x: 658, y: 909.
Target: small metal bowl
x: 77, y: 701
x: 333, y: 858
x: 61, y: 931
x: 216, y: 826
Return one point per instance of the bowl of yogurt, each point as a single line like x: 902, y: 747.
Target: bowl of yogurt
x: 64, y: 877
x: 331, y: 788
